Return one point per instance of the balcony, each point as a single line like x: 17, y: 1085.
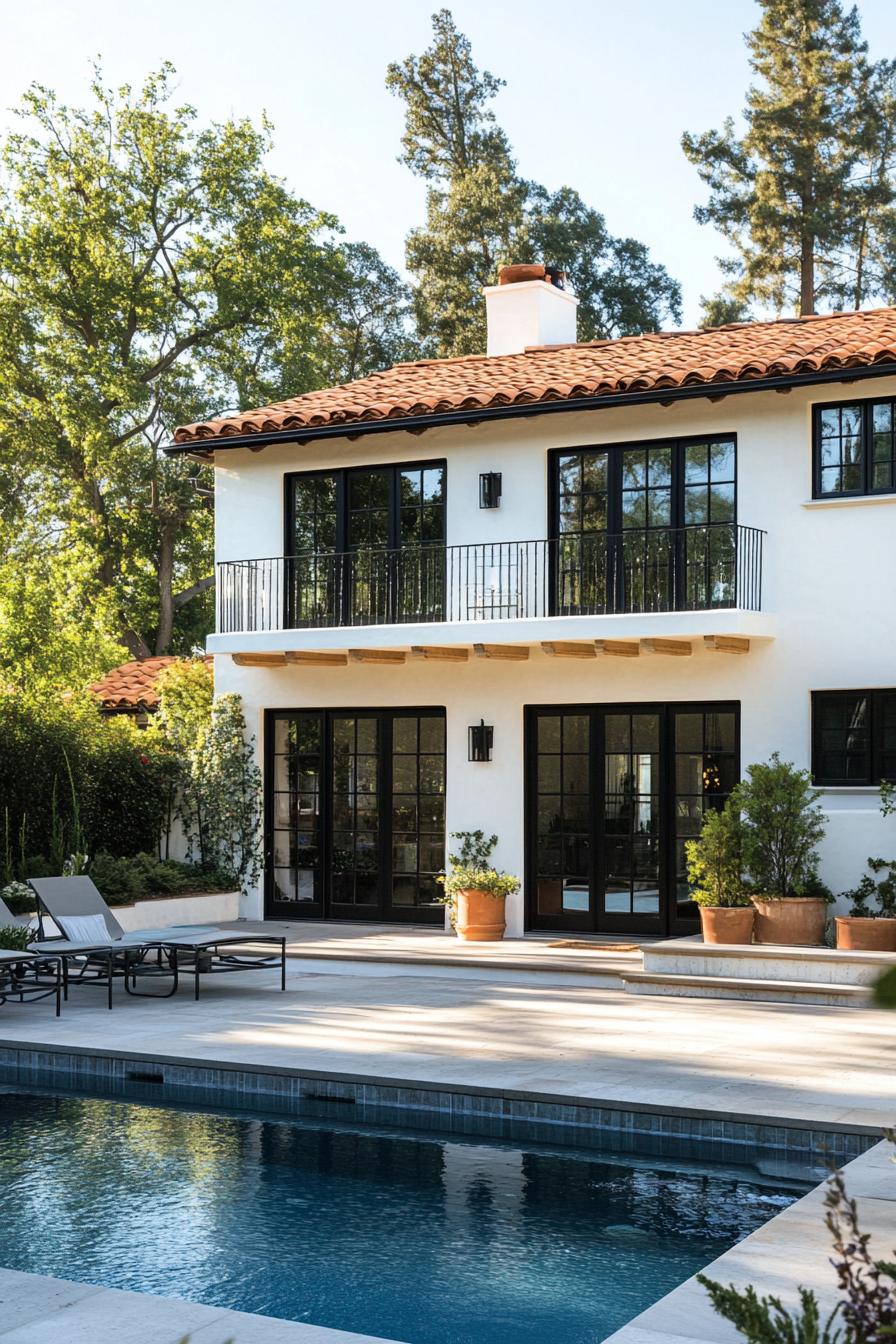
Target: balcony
x: 508, y: 585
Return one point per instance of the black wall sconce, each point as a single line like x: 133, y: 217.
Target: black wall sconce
x: 480, y: 739
x: 489, y: 489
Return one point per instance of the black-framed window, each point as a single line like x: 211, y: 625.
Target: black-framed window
x: 648, y: 526
x: 365, y: 545
x: 854, y: 448
x: 853, y: 736
x: 613, y: 794
x: 365, y: 508
x: 355, y: 813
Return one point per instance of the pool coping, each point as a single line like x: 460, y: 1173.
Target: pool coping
x: 505, y: 1114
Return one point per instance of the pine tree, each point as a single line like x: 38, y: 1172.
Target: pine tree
x: 792, y: 193
x: 481, y: 213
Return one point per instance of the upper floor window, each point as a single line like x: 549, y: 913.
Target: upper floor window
x: 854, y: 448
x: 365, y: 508
x: 853, y: 736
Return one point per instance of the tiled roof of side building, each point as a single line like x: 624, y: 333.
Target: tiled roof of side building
x: 133, y: 685
x: 739, y: 353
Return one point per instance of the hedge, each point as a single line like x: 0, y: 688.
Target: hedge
x: 70, y: 775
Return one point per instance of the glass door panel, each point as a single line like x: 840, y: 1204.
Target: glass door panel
x: 582, y: 581
x: 631, y: 815
x: 418, y: 812
x: 420, y: 563
x: 563, y: 861
x: 705, y: 771
x: 355, y: 813
x: 312, y: 578
x: 369, y: 534
x: 295, y: 815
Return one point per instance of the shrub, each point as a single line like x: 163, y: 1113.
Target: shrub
x: 123, y: 880
x: 13, y: 938
x: 18, y: 898
x: 73, y: 779
x: 715, y: 861
x: 783, y: 824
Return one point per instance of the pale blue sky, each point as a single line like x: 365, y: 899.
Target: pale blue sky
x: 597, y: 93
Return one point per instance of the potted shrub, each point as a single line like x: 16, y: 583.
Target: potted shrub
x: 870, y: 925
x: 715, y: 864
x: 782, y: 827
x: 475, y: 892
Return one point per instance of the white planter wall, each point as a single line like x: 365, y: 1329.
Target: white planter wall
x: 213, y: 907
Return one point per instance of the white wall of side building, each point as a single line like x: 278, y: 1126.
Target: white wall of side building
x: 827, y: 586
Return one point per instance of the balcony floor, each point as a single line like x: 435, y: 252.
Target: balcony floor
x: 728, y: 622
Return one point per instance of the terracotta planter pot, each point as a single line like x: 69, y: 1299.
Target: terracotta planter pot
x: 727, y: 924
x: 855, y: 934
x: 480, y: 917
x: 797, y: 921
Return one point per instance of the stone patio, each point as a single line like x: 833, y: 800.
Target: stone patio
x: 401, y: 1012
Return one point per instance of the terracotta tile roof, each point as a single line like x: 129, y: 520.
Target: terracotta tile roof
x: 133, y: 685
x: 741, y: 352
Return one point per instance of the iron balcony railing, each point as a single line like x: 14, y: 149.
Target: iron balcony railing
x: 640, y: 570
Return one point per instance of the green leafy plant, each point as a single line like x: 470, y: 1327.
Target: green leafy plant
x: 219, y: 782
x: 782, y: 827
x: 471, y: 869
x: 13, y: 938
x: 874, y: 900
x: 715, y: 861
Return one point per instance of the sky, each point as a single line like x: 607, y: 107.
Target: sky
x: 598, y: 94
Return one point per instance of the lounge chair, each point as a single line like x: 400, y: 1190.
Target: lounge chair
x: 10, y: 921
x: 29, y: 975
x: 75, y: 906
x: 90, y: 941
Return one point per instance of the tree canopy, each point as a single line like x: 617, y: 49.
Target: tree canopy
x: 481, y: 213
x: 805, y: 194
x: 152, y: 271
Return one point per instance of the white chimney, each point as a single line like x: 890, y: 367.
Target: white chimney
x: 526, y: 308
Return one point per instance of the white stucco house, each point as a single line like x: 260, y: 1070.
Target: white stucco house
x: 564, y: 593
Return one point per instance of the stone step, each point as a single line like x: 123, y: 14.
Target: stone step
x: 736, y: 987
x: 824, y: 966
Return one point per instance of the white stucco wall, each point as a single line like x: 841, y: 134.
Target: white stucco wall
x: 827, y: 581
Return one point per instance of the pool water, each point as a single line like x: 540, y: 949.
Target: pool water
x: 405, y: 1236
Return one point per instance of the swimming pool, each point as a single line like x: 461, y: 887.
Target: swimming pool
x: 412, y: 1237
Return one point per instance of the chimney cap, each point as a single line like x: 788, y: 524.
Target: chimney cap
x: 524, y: 271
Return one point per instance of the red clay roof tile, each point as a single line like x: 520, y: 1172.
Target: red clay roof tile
x: 133, y: 685
x: 740, y: 352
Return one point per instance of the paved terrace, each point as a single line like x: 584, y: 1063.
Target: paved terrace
x: 554, y: 1034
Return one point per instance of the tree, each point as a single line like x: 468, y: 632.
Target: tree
x: 152, y: 270
x: 802, y: 194
x: 481, y: 213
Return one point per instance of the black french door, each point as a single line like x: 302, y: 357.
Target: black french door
x: 366, y: 545
x: 355, y: 814
x: 613, y: 793
x: 644, y: 526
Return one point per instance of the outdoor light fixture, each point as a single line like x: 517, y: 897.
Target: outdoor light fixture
x: 489, y: 489
x: 481, y: 735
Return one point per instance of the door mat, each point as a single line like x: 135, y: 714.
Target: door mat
x: 597, y: 947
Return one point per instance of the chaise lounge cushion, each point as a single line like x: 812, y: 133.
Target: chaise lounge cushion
x: 84, y: 928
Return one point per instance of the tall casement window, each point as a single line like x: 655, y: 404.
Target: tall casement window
x: 854, y: 448
x: 614, y: 792
x: 645, y: 527
x: 355, y: 813
x: 366, y: 545
x: 853, y: 737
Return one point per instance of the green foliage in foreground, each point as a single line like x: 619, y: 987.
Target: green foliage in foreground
x: 866, y: 1312
x: 14, y: 938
